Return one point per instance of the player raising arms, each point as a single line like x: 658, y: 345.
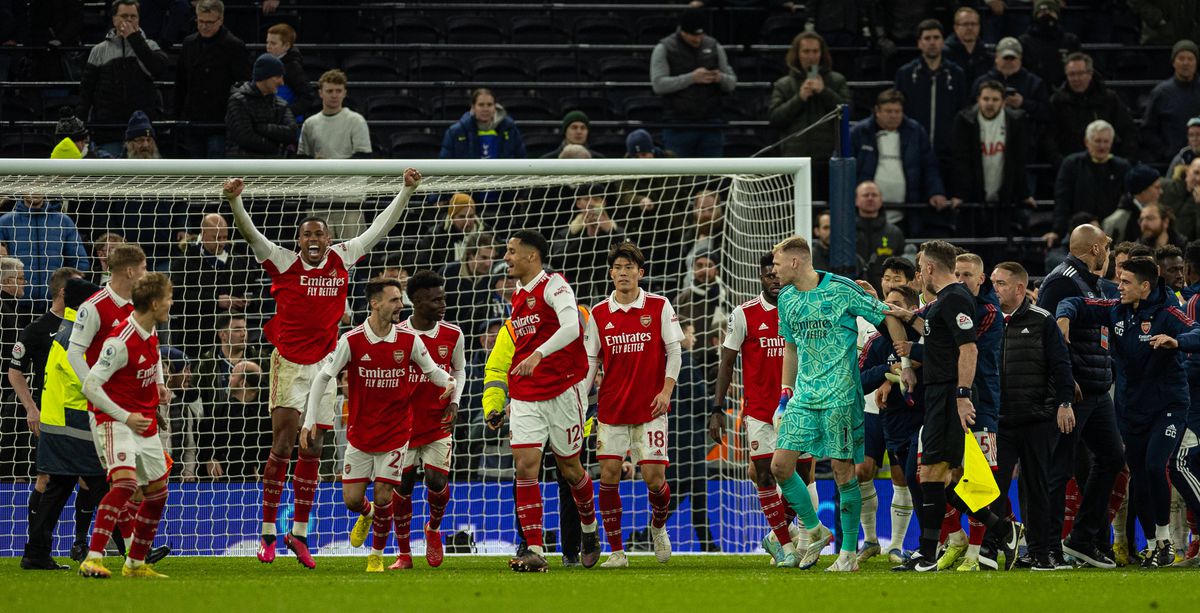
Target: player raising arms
x: 635, y: 335
x: 824, y: 415
x: 383, y: 365
x: 433, y: 414
x: 548, y: 399
x: 309, y: 288
x: 124, y: 386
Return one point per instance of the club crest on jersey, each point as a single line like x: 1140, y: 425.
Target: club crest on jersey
x: 443, y: 351
x: 646, y: 319
x: 121, y: 456
x: 531, y: 302
x: 1145, y: 327
x: 753, y: 445
x: 398, y: 355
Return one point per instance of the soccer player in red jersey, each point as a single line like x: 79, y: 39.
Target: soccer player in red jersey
x: 635, y: 336
x: 309, y: 288
x: 384, y: 367
x: 548, y: 397
x: 123, y: 385
x: 434, y: 416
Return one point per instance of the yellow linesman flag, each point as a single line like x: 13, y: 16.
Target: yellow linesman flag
x: 978, y: 486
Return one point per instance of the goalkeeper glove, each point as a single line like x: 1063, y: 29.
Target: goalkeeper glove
x: 785, y: 396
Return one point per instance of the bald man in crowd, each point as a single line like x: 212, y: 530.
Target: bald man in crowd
x: 210, y: 280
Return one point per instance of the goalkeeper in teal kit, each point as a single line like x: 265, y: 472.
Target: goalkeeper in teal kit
x: 824, y: 412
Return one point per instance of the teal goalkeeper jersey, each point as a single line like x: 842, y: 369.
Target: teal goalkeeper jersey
x: 821, y: 323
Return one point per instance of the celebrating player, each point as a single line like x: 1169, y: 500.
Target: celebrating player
x: 381, y: 363
x: 824, y: 414
x: 124, y: 387
x: 546, y: 387
x: 433, y: 415
x: 309, y: 288
x: 635, y: 335
x: 754, y: 333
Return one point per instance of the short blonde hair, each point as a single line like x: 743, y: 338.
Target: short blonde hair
x: 970, y: 258
x: 795, y: 243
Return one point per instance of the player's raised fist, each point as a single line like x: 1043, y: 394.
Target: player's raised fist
x: 412, y: 177
x: 233, y: 188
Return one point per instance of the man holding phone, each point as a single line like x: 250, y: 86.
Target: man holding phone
x: 691, y: 73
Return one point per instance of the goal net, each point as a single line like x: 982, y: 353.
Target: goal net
x: 704, y: 225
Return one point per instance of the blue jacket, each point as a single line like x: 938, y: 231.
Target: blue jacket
x: 989, y: 339
x: 901, y: 420
x: 1193, y: 361
x: 1155, y: 379
x: 922, y: 178
x: 461, y: 141
x: 44, y: 239
x: 916, y: 82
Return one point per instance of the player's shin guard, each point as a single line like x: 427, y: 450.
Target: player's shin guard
x: 660, y: 505
x: 125, y: 519
x: 773, y: 509
x: 529, y: 511
x: 381, y: 526
x: 1116, y: 499
x: 274, y: 475
x: 118, y: 494
x: 585, y: 500
x: 849, y: 512
x: 796, y: 494
x: 146, y: 524
x: 1072, y: 501
x: 610, y: 514
x: 902, y: 511
x: 870, y: 508
x: 437, y: 505
x: 402, y: 518
x: 951, y: 523
x: 304, y: 487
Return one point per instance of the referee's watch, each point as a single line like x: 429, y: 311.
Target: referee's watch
x: 962, y: 392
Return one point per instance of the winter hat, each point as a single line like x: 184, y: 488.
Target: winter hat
x: 639, y: 141
x: 693, y: 21
x: 175, y: 359
x: 1009, y: 47
x: 1140, y: 178
x: 458, y: 202
x: 713, y: 256
x: 1185, y: 45
x: 265, y: 67
x: 139, y: 125
x: 69, y: 126
x: 573, y: 117
x: 1046, y: 5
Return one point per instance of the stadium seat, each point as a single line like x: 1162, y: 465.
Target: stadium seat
x: 538, y: 30
x: 51, y: 105
x: 609, y: 144
x: 26, y: 145
x: 623, y: 68
x: 596, y: 107
x: 474, y: 29
x: 653, y: 28
x: 602, y: 30
x: 437, y: 68
x: 15, y: 109
x: 756, y: 67
x: 449, y: 107
x: 371, y: 68
x: 541, y: 143
x: 781, y: 29
x: 411, y: 29
x: 743, y: 145
x: 411, y: 145
x: 314, y: 66
x: 643, y: 108
x: 493, y: 68
x: 746, y: 107
x: 557, y: 68
x: 395, y: 108
x: 529, y: 108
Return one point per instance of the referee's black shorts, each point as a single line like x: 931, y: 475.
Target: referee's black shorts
x: 942, y: 436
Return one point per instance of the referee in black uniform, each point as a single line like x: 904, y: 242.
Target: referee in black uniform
x: 949, y: 370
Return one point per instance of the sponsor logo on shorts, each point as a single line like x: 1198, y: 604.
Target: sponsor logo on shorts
x: 754, y: 445
x: 347, y: 469
x: 646, y: 320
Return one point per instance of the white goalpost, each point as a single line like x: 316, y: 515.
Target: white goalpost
x: 703, y: 223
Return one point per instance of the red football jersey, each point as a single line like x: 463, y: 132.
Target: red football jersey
x: 445, y: 345
x: 535, y: 320
x: 133, y: 382
x: 309, y: 302
x: 95, y: 321
x: 754, y: 331
x: 380, y: 386
x: 631, y: 343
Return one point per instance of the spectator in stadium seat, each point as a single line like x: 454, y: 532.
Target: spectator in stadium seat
x: 1157, y: 224
x: 210, y: 281
x: 469, y: 281
x: 1166, y: 22
x: 177, y: 417
x: 1172, y: 103
x: 703, y: 302
x: 119, y: 76
x: 575, y: 128
x: 1182, y: 195
x: 689, y: 70
x: 45, y: 239
x: 1046, y: 40
x: 1190, y: 151
x: 991, y: 146
x: 820, y: 245
x: 895, y: 152
x: 72, y: 128
x: 258, y: 123
x: 688, y: 443
x: 1091, y: 180
x: 295, y: 90
x: 484, y: 132
x: 1142, y: 187
x: 1083, y: 99
x: 446, y: 240
x: 211, y: 61
x: 582, y: 247
x: 704, y: 230
x: 1171, y: 267
x: 140, y: 139
x: 234, y: 432
x: 934, y: 89
x: 225, y: 348
x: 876, y: 238
x: 809, y: 91
x: 842, y: 23
x: 335, y: 133
x: 1023, y: 89
x: 101, y: 246
x: 964, y: 46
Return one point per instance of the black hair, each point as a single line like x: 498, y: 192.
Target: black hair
x: 376, y: 287
x: 533, y: 238
x: 1167, y: 251
x: 424, y: 279
x: 901, y: 265
x: 626, y: 250
x: 1145, y: 270
x: 1191, y: 254
x: 767, y: 260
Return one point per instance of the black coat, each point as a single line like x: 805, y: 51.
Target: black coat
x: 966, y: 181
x: 257, y: 125
x: 1083, y: 185
x: 1035, y: 373
x: 1044, y: 50
x: 302, y: 99
x: 1091, y: 364
x: 119, y: 79
x: 208, y: 68
x: 1073, y: 112
x: 199, y: 280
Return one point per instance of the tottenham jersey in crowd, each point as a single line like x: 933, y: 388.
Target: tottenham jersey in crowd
x: 535, y: 319
x: 309, y: 300
x: 129, y: 363
x: 445, y: 346
x: 754, y: 331
x: 631, y: 342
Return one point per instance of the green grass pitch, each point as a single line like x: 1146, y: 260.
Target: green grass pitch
x: 687, y: 583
